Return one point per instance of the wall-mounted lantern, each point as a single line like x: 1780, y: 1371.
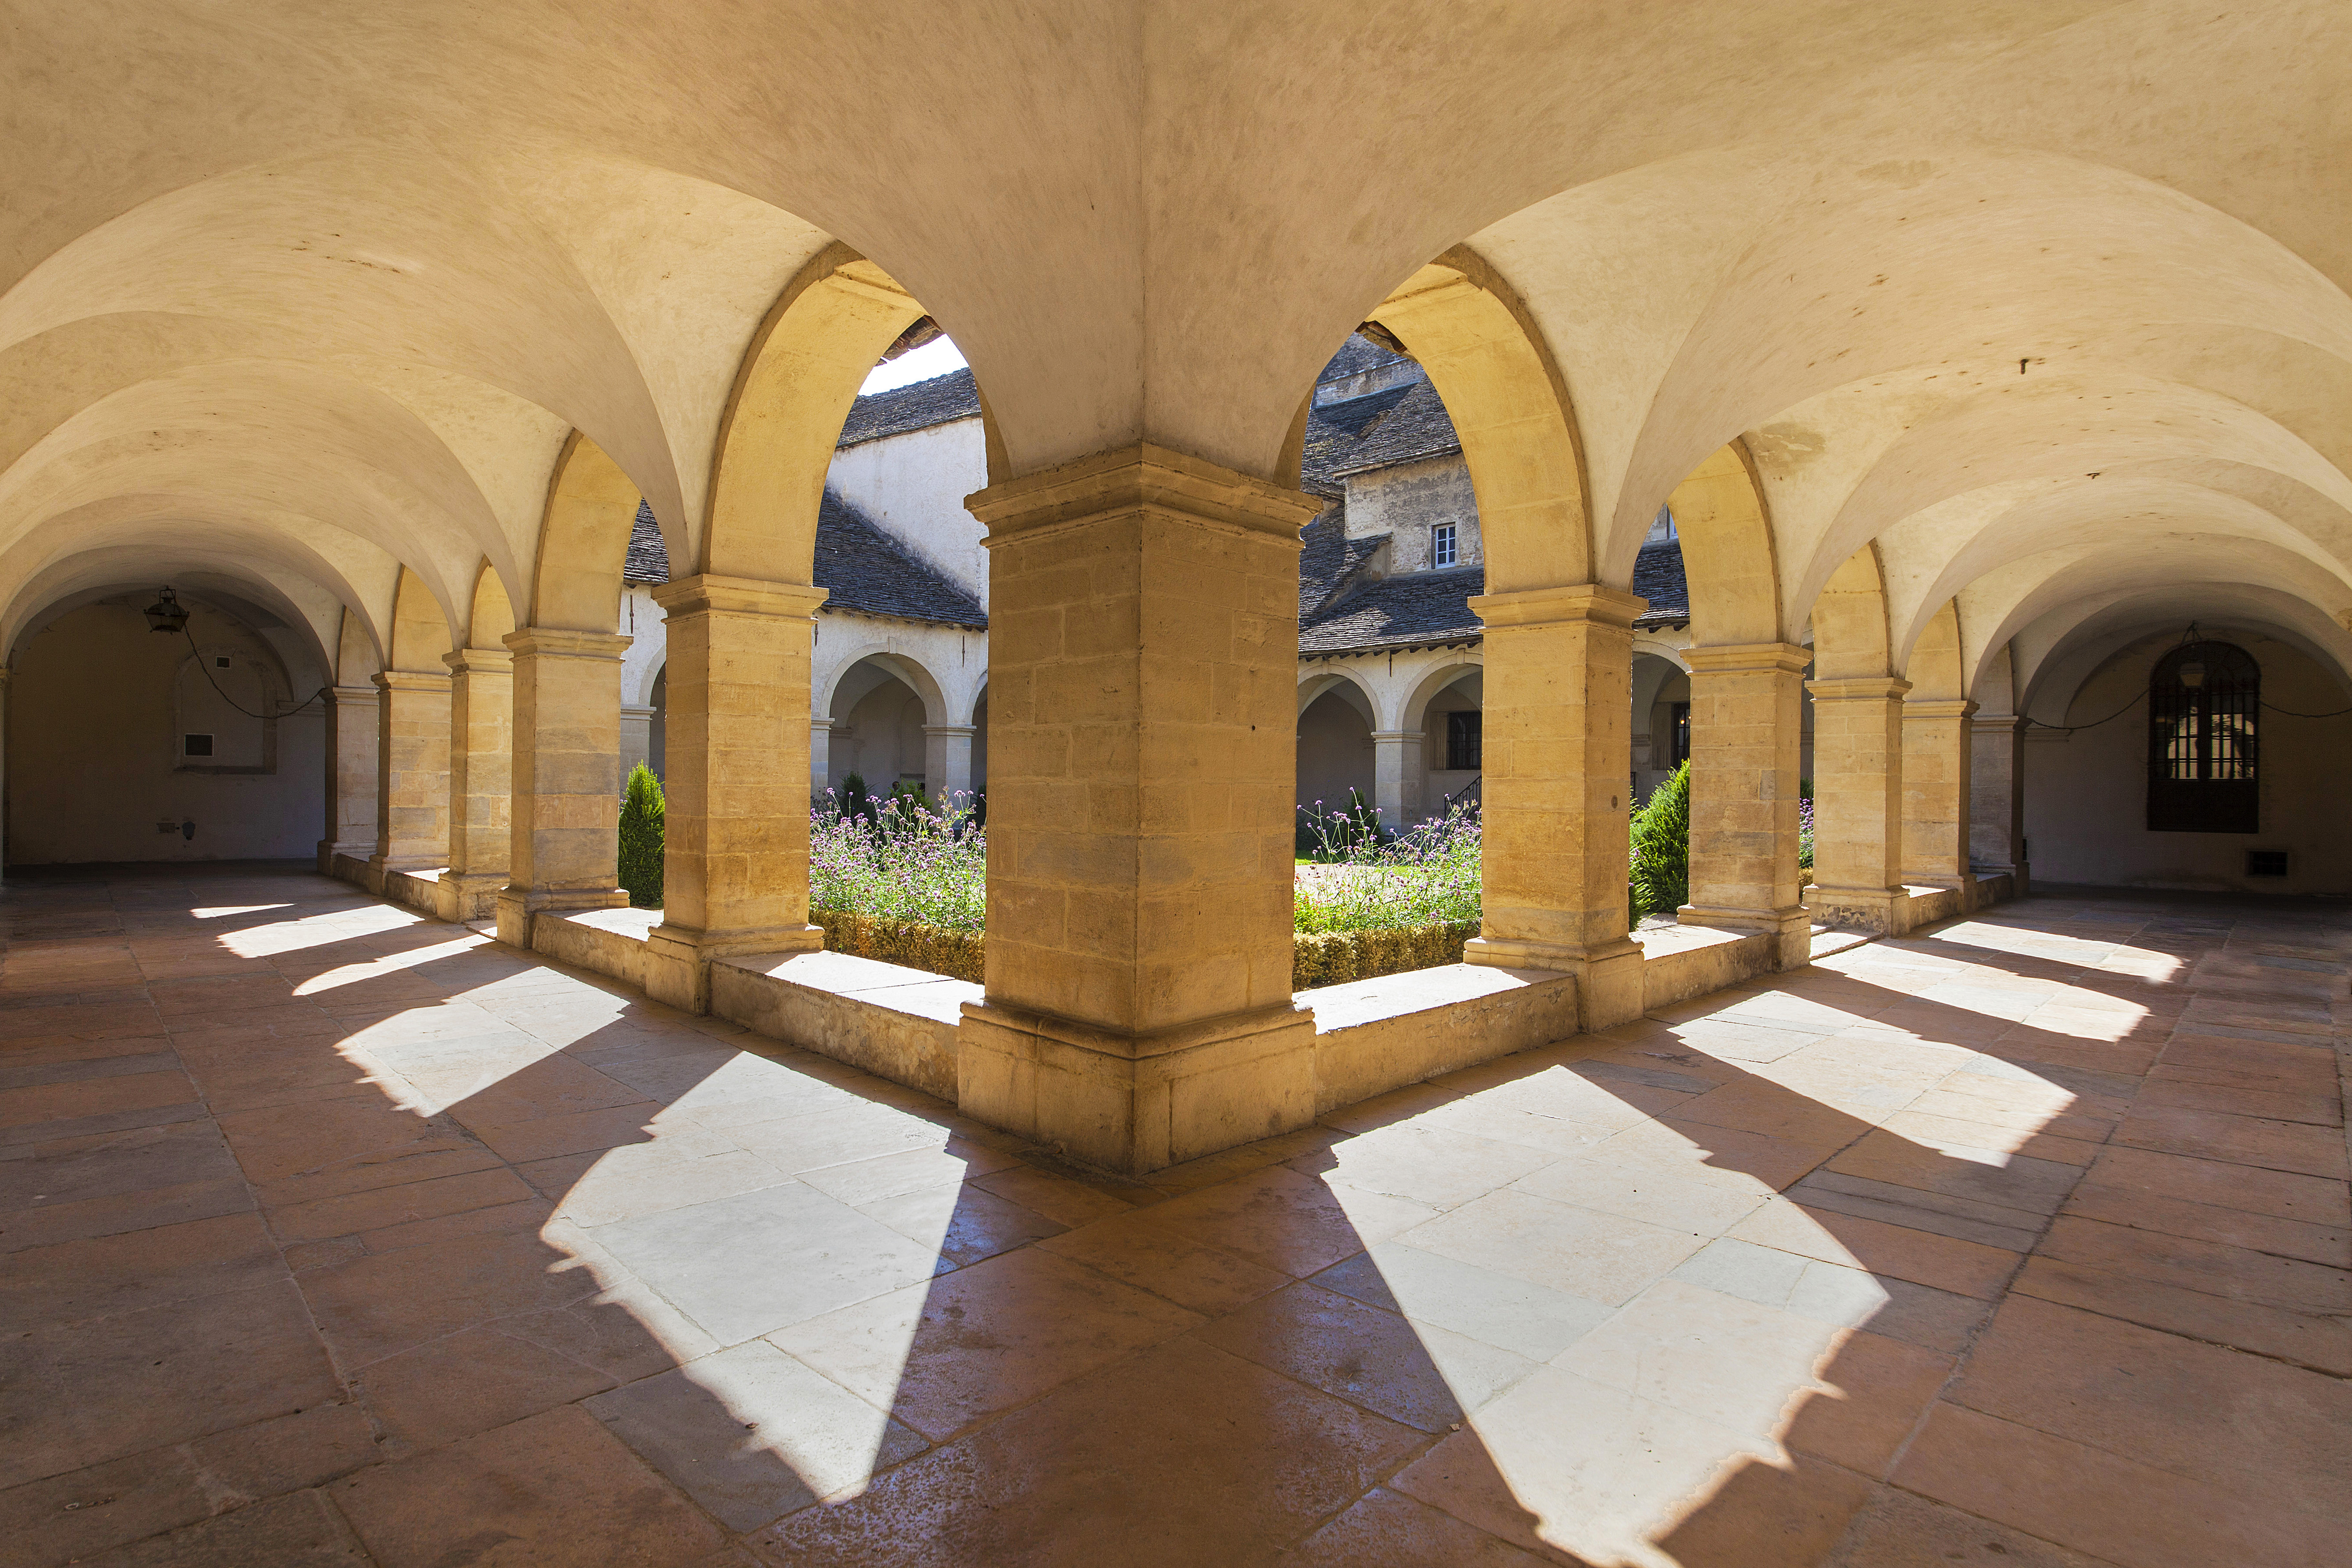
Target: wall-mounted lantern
x: 166, y: 615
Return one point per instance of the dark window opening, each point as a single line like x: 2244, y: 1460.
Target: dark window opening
x: 220, y: 664
x: 196, y: 745
x: 2266, y: 862
x: 1677, y: 735
x: 1462, y: 740
x: 2203, y: 701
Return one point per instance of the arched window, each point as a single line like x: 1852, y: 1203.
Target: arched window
x: 2202, y: 700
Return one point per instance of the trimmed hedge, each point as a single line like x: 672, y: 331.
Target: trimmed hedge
x: 1329, y: 959
x: 930, y: 948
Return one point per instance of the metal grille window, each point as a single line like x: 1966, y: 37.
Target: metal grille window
x: 1443, y: 551
x: 2203, y: 699
x: 1462, y: 740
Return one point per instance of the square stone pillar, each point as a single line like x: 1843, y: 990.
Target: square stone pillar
x: 636, y: 739
x: 1997, y: 796
x: 353, y: 725
x: 1558, y: 707
x: 735, y: 857
x: 1747, y: 758
x: 1397, y: 775
x: 1937, y: 783
x: 412, y: 828
x: 1858, y: 804
x: 1143, y: 649
x: 947, y: 761
x: 820, y: 757
x: 481, y: 780
x: 565, y: 850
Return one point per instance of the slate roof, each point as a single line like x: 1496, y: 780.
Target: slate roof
x: 1658, y: 577
x: 918, y: 405
x: 1416, y: 428
x: 1357, y: 355
x: 648, y: 558
x: 863, y: 568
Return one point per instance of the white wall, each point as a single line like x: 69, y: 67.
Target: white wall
x: 95, y: 709
x: 1406, y: 501
x: 2086, y: 793
x: 913, y: 487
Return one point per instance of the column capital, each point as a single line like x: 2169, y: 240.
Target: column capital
x: 951, y: 731
x: 1859, y: 688
x: 410, y: 681
x: 479, y: 661
x: 1144, y: 478
x: 1997, y: 721
x: 368, y: 693
x: 1741, y: 658
x: 560, y: 642
x: 1937, y: 708
x: 708, y: 594
x: 1526, y: 607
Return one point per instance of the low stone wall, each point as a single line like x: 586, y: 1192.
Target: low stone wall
x: 1679, y: 963
x: 895, y: 1022
x: 1373, y: 1036
x: 608, y: 941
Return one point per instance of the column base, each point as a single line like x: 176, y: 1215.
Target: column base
x: 1791, y: 930
x: 677, y: 958
x: 467, y: 896
x: 1881, y: 912
x: 1965, y: 886
x: 1609, y: 983
x: 517, y: 906
x: 1136, y: 1103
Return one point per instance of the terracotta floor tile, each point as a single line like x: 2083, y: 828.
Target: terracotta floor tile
x: 1390, y: 1530
x: 1580, y: 1252
x: 1056, y: 1197
x: 1781, y: 1514
x: 647, y: 1178
x: 2299, y: 1339
x: 2312, y: 1200
x: 49, y: 1104
x: 1965, y: 1219
x: 2320, y: 1110
x: 1944, y: 1263
x: 2119, y: 1205
x: 942, y: 1354
x: 1733, y: 1362
x: 1281, y: 1219
x: 1136, y: 1250
x: 385, y: 1206
x: 1079, y: 1477
x: 2016, y: 1180
x: 2241, y: 1140
x: 895, y: 1175
x: 537, y: 1489
x: 469, y: 1381
x: 1439, y: 1166
x: 2216, y: 1268
x: 133, y: 1271
x: 379, y: 1306
x: 1530, y: 1321
x: 298, y: 1531
x: 1896, y: 1530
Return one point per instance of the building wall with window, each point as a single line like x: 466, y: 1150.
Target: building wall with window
x: 1407, y: 502
x: 2086, y: 792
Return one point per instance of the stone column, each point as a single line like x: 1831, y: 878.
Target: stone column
x: 636, y: 739
x: 5, y: 674
x: 1858, y: 803
x: 947, y: 760
x: 352, y: 737
x: 411, y: 767
x: 1143, y: 651
x: 820, y: 757
x: 1937, y: 784
x: 565, y: 854
x: 481, y: 780
x: 1997, y: 797
x: 1747, y: 743
x: 1558, y: 710
x: 735, y: 860
x: 1397, y: 775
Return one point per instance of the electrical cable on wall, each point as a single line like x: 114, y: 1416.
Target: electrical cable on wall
x: 2071, y: 729
x: 168, y: 614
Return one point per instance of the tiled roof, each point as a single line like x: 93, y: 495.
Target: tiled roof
x: 1658, y: 577
x: 863, y: 568
x: 918, y: 405
x: 1417, y: 427
x: 1357, y: 355
x: 648, y: 558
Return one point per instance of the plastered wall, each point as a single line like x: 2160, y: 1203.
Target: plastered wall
x: 2086, y: 793
x: 97, y: 707
x: 913, y: 486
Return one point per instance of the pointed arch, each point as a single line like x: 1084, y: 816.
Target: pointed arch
x: 1850, y: 637
x: 1470, y: 330
x: 1933, y: 667
x: 1727, y: 557
x: 492, y: 616
x: 584, y: 540
x: 420, y: 633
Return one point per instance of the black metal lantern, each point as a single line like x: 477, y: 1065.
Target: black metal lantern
x: 166, y: 614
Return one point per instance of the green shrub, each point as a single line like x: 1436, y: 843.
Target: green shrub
x: 1333, y: 958
x: 641, y: 839
x: 1662, y: 847
x: 958, y: 955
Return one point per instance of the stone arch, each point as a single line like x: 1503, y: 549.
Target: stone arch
x: 1487, y: 360
x: 420, y: 633
x: 905, y: 666
x: 357, y: 656
x: 1933, y: 667
x: 1727, y: 556
x: 584, y: 540
x: 1415, y: 710
x: 1316, y: 683
x: 1850, y: 636
x: 491, y: 618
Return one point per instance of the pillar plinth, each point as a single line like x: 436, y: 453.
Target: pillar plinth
x: 1997, y: 797
x: 947, y: 761
x: 412, y: 774
x: 1858, y: 804
x: 1396, y: 775
x: 735, y: 853
x: 1937, y: 784
x: 1747, y: 754
x: 1143, y: 646
x: 481, y: 779
x: 564, y: 851
x: 1557, y: 755
x: 353, y: 723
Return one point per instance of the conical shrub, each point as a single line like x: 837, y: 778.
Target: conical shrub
x: 641, y: 839
x: 1662, y: 847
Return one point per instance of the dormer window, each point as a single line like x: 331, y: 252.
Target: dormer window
x: 1444, y: 550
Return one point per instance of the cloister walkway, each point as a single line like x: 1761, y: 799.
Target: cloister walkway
x: 336, y: 1235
